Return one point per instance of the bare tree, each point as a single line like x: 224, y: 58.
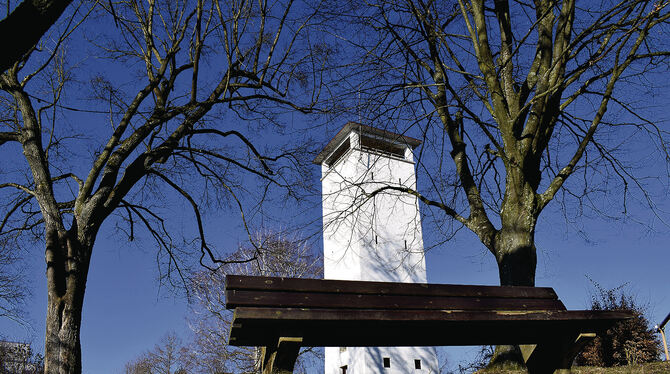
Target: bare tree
x: 19, y: 358
x: 512, y: 100
x: 167, y: 357
x: 13, y: 290
x: 279, y: 255
x: 212, y: 73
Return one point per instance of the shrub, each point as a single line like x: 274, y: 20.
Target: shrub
x: 628, y: 342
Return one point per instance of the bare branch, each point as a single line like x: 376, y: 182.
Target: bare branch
x: 18, y: 187
x: 11, y: 136
x: 33, y: 19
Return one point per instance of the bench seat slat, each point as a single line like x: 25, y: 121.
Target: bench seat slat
x: 241, y: 298
x: 243, y: 282
x: 316, y: 314
x: 328, y: 327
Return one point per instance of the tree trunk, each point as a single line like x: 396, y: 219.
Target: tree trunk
x: 63, y: 348
x: 516, y: 256
x: 514, y: 244
x: 67, y: 269
x: 514, y: 248
x: 31, y: 19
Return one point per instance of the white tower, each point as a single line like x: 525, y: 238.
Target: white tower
x: 372, y: 237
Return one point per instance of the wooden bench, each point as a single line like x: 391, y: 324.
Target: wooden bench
x: 283, y: 314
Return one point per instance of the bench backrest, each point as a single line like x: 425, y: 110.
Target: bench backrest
x: 275, y: 292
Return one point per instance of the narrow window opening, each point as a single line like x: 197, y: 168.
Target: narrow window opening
x: 376, y: 239
x: 405, y: 243
x: 417, y: 364
x: 343, y: 369
x: 399, y: 181
x: 387, y: 362
x: 339, y: 152
x: 372, y: 175
x: 382, y: 146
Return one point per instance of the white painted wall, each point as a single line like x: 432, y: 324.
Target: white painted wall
x: 373, y: 239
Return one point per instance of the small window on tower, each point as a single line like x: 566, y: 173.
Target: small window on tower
x: 343, y: 349
x: 339, y: 152
x: 417, y: 364
x: 382, y: 146
x: 387, y: 362
x: 343, y: 369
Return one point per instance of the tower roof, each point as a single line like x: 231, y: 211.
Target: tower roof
x: 354, y: 126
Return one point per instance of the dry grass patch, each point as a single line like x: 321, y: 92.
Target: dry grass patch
x: 647, y: 368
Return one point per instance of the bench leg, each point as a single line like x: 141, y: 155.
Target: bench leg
x: 555, y: 356
x: 280, y: 359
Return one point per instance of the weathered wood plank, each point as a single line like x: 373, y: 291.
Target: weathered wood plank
x: 285, y: 299
x: 242, y: 282
x: 280, y: 357
x: 555, y: 355
x: 259, y: 326
x: 304, y: 314
x: 253, y: 326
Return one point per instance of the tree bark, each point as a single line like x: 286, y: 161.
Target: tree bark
x: 516, y: 256
x: 517, y: 260
x: 515, y: 252
x: 514, y: 243
x: 68, y: 258
x: 31, y: 19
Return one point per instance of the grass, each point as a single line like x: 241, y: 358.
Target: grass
x: 647, y: 368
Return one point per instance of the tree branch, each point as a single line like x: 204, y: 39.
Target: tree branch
x: 30, y: 19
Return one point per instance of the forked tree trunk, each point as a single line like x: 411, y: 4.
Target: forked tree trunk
x: 67, y: 269
x: 63, y: 348
x: 67, y: 252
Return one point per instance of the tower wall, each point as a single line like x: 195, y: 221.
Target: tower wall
x: 372, y: 238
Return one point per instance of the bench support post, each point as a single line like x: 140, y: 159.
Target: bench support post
x: 554, y: 356
x: 280, y: 359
